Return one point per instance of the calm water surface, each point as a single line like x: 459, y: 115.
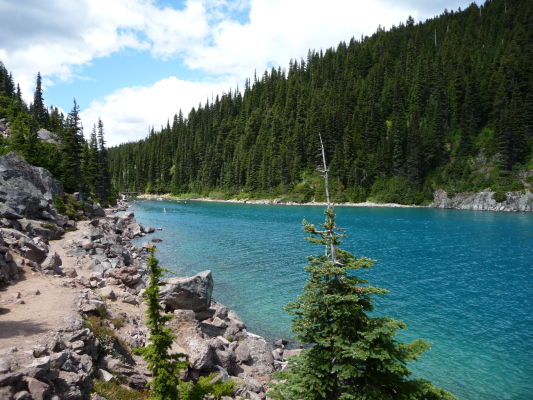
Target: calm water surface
x: 462, y: 280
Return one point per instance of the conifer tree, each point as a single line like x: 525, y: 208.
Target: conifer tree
x: 92, y: 171
x: 350, y: 354
x: 164, y: 367
x: 39, y: 112
x: 104, y: 184
x: 71, y: 151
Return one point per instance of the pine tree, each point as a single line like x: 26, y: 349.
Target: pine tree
x: 350, y: 355
x: 92, y: 173
x: 39, y: 112
x: 71, y: 151
x: 164, y: 367
x: 103, y: 189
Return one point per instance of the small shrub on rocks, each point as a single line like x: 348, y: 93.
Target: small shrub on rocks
x: 115, y: 391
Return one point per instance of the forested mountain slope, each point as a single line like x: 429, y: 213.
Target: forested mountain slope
x: 447, y: 103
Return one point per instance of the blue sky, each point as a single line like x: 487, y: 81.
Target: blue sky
x: 135, y: 63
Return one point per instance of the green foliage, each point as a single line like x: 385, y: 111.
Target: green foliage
x: 105, y: 334
x: 115, y: 391
x: 398, y: 190
x: 69, y: 206
x: 350, y: 355
x: 500, y: 196
x: 164, y: 367
x: 206, y: 385
x: 217, y: 195
x: 118, y: 322
x: 50, y: 227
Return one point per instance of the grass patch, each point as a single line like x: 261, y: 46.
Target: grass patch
x: 100, y: 330
x: 115, y: 391
x: 118, y: 322
x: 111, y: 344
x: 207, y: 387
x: 50, y: 227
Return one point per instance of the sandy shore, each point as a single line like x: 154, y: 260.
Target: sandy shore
x: 147, y: 196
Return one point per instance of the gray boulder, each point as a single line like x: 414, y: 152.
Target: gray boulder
x: 190, y: 293
x: 26, y: 190
x: 47, y: 136
x: 93, y: 210
x: 260, y: 351
x: 51, y: 264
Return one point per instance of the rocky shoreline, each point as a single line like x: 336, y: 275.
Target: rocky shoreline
x: 484, y: 201
x: 95, y: 265
x: 474, y: 201
x: 147, y: 196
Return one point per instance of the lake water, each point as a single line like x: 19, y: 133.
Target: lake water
x: 462, y: 280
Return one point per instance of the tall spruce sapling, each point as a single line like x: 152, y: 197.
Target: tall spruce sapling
x: 164, y: 367
x: 350, y: 355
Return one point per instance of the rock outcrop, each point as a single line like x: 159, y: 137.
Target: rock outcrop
x: 484, y: 201
x: 190, y: 293
x: 47, y: 136
x: 25, y: 190
x: 4, y: 127
x: 8, y: 268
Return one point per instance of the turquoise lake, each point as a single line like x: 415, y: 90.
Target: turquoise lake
x: 462, y: 280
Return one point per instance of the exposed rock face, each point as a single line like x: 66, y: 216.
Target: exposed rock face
x: 26, y: 190
x: 483, y: 201
x: 190, y: 293
x: 47, y: 136
x: 4, y: 127
x: 8, y: 268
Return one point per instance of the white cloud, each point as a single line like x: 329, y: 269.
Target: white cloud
x: 279, y: 30
x: 58, y: 37
x: 128, y: 113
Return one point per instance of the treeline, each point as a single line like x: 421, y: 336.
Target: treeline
x: 445, y: 103
x: 80, y: 165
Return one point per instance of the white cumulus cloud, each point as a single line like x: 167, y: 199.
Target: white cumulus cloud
x: 128, y: 113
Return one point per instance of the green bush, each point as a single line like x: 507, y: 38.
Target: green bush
x: 217, y: 195
x: 115, y: 391
x: 398, y: 190
x: 206, y: 385
x: 500, y: 196
x: 50, y: 227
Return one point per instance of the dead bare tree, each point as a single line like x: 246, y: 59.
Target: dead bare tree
x: 330, y: 221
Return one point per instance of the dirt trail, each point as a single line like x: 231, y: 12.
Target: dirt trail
x: 38, y: 303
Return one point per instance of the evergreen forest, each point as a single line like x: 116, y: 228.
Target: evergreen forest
x: 447, y: 103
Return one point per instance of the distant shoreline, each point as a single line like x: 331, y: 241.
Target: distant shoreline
x: 147, y: 196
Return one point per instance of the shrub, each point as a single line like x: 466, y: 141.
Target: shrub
x: 115, y: 391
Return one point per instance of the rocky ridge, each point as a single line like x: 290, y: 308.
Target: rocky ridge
x: 103, y: 268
